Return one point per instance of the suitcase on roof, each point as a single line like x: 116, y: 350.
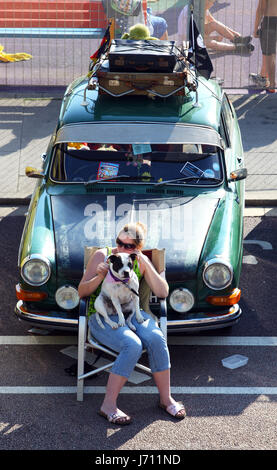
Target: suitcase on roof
x: 160, y: 84
x: 142, y: 56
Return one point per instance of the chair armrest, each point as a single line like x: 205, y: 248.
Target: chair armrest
x: 163, y: 308
x: 163, y: 317
x: 83, y: 306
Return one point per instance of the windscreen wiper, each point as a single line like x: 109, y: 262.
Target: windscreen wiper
x: 188, y: 178
x: 144, y: 178
x: 106, y: 179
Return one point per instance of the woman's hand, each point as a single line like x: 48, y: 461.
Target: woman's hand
x: 102, y: 269
x: 157, y: 284
x: 94, y: 274
x: 143, y: 260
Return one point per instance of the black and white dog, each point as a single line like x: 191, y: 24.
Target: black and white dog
x: 119, y: 292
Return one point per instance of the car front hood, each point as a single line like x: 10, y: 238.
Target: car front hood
x: 178, y: 224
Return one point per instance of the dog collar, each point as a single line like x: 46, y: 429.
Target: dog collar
x: 117, y: 279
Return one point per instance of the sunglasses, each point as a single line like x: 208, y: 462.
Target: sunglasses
x: 127, y: 246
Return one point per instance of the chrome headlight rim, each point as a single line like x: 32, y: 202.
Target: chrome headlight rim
x: 221, y: 262
x: 188, y: 293
x: 35, y: 257
x: 61, y: 289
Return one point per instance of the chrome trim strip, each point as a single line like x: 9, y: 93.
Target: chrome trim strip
x: 38, y: 257
x: 137, y: 132
x: 38, y: 317
x: 234, y: 311
x: 217, y: 261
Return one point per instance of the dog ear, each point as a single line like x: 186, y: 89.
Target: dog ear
x: 112, y: 258
x: 133, y: 256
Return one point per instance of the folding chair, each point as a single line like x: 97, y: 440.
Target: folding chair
x: 85, y: 336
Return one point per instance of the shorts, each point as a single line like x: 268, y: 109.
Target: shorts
x: 268, y: 35
x: 156, y: 24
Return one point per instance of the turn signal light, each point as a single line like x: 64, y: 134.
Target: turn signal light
x: 222, y: 300
x: 29, y: 296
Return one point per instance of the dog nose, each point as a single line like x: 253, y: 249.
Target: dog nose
x: 126, y: 273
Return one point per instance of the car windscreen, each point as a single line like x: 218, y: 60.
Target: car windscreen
x: 143, y: 163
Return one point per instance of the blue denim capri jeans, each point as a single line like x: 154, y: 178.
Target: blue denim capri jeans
x: 129, y: 344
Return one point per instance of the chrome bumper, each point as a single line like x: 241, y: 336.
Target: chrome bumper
x: 203, y: 322
x: 206, y: 322
x: 53, y: 321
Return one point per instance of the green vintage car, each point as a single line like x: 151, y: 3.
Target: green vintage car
x: 175, y: 164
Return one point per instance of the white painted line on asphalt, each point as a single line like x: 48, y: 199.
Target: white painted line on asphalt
x: 39, y: 390
x: 199, y: 390
x: 37, y: 340
x: 264, y: 245
x: 147, y: 390
x: 172, y: 340
x: 222, y: 340
x: 260, y: 212
x: 249, y: 259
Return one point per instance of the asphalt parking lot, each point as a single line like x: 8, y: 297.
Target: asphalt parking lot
x: 226, y: 409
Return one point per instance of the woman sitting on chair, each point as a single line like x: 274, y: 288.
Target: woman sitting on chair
x: 128, y: 343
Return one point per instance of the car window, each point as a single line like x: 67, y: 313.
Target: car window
x: 227, y: 121
x: 143, y: 163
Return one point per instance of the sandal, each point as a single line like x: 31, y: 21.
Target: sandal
x: 116, y: 418
x: 177, y: 410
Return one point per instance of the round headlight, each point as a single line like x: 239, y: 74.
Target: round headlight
x: 181, y: 300
x: 35, y: 270
x: 217, y: 274
x: 67, y: 297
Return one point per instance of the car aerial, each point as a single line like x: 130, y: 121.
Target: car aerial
x: 174, y: 163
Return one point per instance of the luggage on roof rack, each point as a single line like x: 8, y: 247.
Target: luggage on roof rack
x: 142, y: 56
x: 146, y: 67
x: 158, y: 84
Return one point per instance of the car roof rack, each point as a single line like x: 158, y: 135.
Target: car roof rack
x: 152, y: 68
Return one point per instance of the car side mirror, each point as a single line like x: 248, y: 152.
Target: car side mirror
x: 237, y: 175
x: 33, y: 172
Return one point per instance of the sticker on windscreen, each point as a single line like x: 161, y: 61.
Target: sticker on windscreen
x: 209, y: 173
x: 191, y: 170
x: 107, y: 170
x: 141, y: 148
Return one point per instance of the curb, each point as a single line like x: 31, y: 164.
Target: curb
x: 266, y: 198
x: 35, y: 91
x: 15, y: 201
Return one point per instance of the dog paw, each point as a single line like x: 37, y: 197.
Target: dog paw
x: 140, y: 319
x: 131, y: 326
x: 114, y: 325
x: 99, y: 321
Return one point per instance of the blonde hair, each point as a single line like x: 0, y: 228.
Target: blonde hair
x: 136, y: 231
